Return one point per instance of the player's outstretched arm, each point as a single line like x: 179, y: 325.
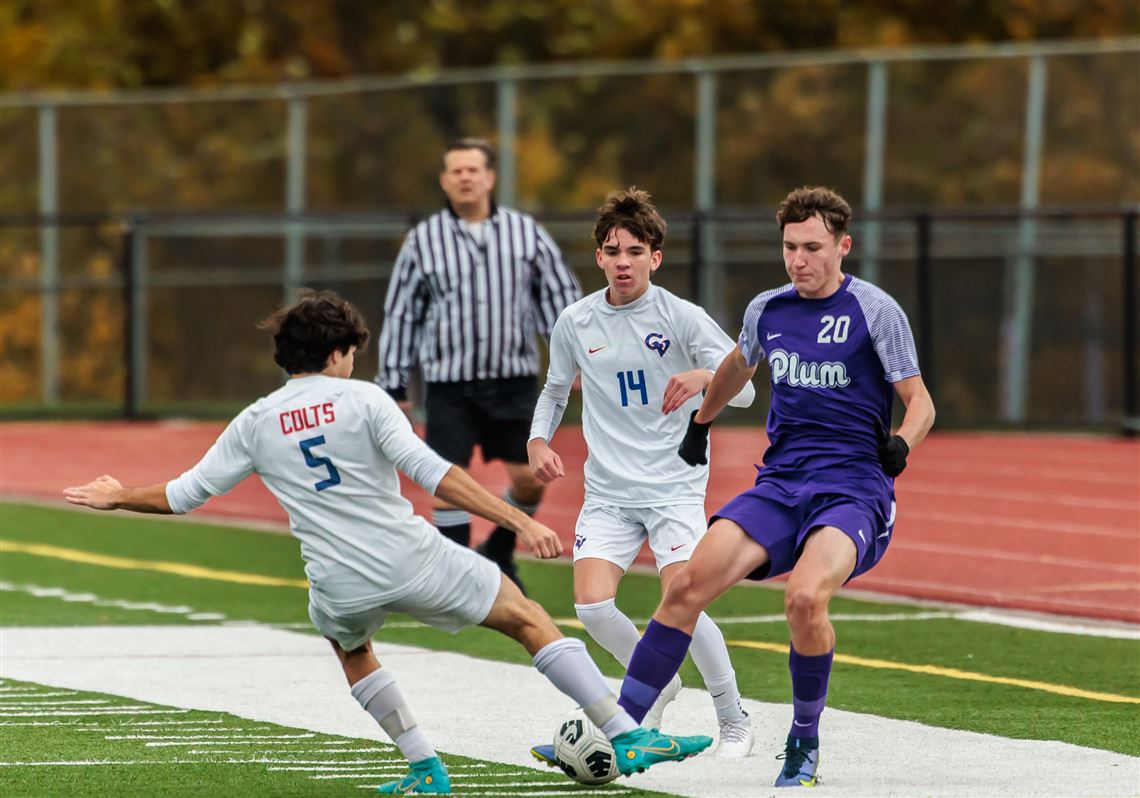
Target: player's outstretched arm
x: 107, y: 493
x: 894, y: 449
x: 458, y: 488
x: 544, y: 461
x: 919, y: 416
x: 731, y: 376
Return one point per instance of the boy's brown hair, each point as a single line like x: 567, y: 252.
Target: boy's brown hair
x: 308, y: 331
x: 632, y: 210
x: 804, y: 203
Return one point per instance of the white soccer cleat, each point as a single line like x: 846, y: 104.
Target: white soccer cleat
x: 653, y: 716
x: 735, y: 739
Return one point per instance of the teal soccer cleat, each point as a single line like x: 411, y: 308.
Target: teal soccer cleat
x: 545, y: 755
x: 642, y: 748
x: 426, y: 776
x: 801, y: 763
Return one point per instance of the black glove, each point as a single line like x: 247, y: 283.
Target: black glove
x: 893, y: 451
x: 695, y: 443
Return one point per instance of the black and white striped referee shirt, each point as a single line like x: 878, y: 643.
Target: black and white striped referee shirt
x: 469, y: 310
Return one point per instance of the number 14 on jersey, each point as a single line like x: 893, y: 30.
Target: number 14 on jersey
x: 632, y: 382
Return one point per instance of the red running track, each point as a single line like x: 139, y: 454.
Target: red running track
x: 1038, y: 522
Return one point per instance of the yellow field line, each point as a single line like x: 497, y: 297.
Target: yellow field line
x: 178, y: 568
x: 952, y: 673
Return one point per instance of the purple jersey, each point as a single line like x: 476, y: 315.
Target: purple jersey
x: 832, y: 362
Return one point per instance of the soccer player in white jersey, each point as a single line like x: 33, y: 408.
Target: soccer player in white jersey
x: 645, y: 356
x: 328, y: 448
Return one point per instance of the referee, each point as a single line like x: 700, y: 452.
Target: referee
x: 471, y: 287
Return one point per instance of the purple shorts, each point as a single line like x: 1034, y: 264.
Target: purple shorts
x: 779, y: 513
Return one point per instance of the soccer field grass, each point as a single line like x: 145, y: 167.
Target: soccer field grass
x: 67, y: 568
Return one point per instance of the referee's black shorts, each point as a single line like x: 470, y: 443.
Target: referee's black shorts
x: 495, y: 414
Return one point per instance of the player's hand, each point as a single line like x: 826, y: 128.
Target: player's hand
x: 544, y: 461
x: 893, y: 451
x: 101, y: 494
x: 694, y: 446
x: 683, y: 387
x: 543, y: 541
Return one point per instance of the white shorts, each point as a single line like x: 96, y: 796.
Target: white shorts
x: 615, y: 534
x: 458, y: 592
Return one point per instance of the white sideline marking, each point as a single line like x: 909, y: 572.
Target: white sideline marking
x: 456, y: 696
x: 1014, y: 618
x: 199, y: 738
x: 49, y: 705
x: 63, y: 594
x: 117, y: 710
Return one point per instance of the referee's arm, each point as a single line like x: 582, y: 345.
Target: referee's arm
x: 554, y: 285
x: 403, y: 316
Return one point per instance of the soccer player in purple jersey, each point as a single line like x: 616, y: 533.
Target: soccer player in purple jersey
x: 823, y: 505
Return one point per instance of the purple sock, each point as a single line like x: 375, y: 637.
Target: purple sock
x: 656, y: 659
x: 809, y: 690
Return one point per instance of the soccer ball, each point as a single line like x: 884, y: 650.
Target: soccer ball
x: 583, y: 752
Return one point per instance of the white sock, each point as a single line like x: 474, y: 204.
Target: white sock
x: 710, y: 655
x: 569, y: 668
x: 381, y: 698
x: 610, y: 627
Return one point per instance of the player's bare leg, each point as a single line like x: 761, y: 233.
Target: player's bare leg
x: 564, y: 661
x: 710, y: 655
x: 828, y: 559
x: 723, y: 557
x: 375, y: 688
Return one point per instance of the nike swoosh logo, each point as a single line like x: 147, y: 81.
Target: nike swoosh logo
x: 592, y: 350
x: 885, y: 534
x: 674, y: 548
x: 673, y: 748
x: 801, y: 725
x: 772, y: 336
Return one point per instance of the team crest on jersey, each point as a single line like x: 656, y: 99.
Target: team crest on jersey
x: 578, y: 541
x: 658, y: 343
x: 790, y: 369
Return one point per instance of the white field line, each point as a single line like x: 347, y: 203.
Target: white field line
x: 198, y: 738
x: 63, y: 594
x: 38, y: 690
x: 501, y: 724
x: 1022, y: 497
x: 50, y: 704
x: 300, y: 751
x: 1001, y: 521
x: 980, y: 554
x: 122, y: 710
x: 401, y: 766
x: 976, y: 593
x: 1023, y: 469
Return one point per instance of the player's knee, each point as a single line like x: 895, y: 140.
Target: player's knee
x: 683, y: 592
x: 804, y: 605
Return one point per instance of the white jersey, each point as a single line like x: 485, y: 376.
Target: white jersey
x: 328, y: 449
x: 626, y: 355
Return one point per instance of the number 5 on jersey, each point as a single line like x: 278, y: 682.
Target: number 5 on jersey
x: 313, y: 461
x: 630, y: 382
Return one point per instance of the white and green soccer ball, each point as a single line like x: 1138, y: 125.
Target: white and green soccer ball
x: 583, y: 752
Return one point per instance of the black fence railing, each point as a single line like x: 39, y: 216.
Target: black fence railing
x: 1021, y: 318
